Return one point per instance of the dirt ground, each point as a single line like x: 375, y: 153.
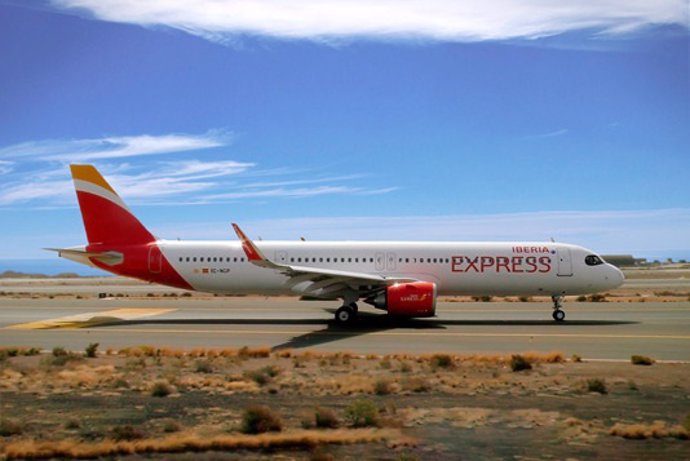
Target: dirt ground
x: 171, y: 404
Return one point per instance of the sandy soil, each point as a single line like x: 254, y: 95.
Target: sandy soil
x: 425, y: 407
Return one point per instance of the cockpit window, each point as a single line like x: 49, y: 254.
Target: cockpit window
x: 593, y: 260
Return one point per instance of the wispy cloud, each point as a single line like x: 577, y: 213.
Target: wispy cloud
x: 43, y: 181
x: 79, y: 150
x: 550, y: 134
x: 445, y: 20
x: 5, y: 166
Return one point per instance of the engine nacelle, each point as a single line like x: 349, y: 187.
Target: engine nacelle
x: 416, y: 299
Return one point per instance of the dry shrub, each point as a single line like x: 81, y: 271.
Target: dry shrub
x: 180, y: 443
x: 519, y: 363
x: 263, y: 375
x: 204, y: 366
x: 258, y: 419
x: 405, y: 367
x: 657, y: 430
x: 416, y: 384
x: 91, y: 349
x: 441, y: 361
x: 161, y: 389
x: 283, y: 353
x: 254, y: 353
x: 596, y: 385
x: 9, y: 428
x: 362, y: 413
x: 60, y: 357
x: 383, y: 386
x: 127, y: 432
x: 325, y: 418
x: 6, y: 352
x: 85, y: 376
x: 641, y: 360
x: 171, y: 425
x: 322, y: 418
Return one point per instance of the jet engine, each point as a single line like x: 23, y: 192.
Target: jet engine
x: 416, y: 299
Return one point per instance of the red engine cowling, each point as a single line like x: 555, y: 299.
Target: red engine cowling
x: 417, y: 299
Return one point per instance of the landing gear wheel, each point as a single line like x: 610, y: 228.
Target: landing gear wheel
x: 558, y: 315
x: 345, y: 315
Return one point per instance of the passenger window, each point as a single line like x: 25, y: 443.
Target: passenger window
x: 349, y: 260
x: 194, y: 259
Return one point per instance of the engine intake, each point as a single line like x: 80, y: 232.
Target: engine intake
x: 416, y: 299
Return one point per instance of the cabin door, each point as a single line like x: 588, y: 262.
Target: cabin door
x: 565, y: 264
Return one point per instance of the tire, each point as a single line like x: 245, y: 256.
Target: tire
x: 558, y: 315
x: 345, y: 315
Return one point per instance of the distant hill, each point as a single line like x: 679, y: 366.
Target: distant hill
x: 23, y: 275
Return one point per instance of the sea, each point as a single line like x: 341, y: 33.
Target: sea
x: 50, y: 267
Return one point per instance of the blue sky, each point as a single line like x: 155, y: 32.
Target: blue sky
x: 336, y: 120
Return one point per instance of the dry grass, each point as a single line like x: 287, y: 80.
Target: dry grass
x: 656, y: 430
x: 180, y: 443
x: 151, y: 351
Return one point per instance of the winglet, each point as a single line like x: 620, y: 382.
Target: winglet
x: 252, y: 252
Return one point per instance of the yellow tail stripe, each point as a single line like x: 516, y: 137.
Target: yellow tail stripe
x: 90, y: 174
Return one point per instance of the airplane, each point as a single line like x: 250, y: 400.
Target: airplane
x: 402, y: 278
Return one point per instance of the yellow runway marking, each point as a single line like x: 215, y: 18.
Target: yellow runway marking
x: 89, y: 319
x: 390, y: 333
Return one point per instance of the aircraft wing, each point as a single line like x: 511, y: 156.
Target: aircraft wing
x: 317, y: 281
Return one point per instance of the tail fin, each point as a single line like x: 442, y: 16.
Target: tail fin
x: 107, y: 219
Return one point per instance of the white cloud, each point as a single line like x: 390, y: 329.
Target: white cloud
x: 80, y: 150
x: 550, y: 134
x: 27, y: 191
x: 636, y: 231
x: 43, y: 180
x: 445, y: 20
x: 6, y: 167
x: 300, y: 192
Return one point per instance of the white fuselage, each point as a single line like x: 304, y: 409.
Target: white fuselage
x: 457, y: 268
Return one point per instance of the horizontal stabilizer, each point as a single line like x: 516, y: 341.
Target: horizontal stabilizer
x: 79, y: 254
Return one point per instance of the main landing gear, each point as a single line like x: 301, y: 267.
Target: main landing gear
x: 347, y: 314
x: 558, y: 314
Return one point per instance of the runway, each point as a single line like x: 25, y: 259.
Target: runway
x: 610, y: 331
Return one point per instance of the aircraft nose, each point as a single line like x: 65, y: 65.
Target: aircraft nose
x: 615, y: 276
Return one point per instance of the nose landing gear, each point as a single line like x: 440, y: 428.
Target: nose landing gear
x: 558, y: 314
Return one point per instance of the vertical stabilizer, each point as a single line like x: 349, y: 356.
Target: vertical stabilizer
x: 107, y: 220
